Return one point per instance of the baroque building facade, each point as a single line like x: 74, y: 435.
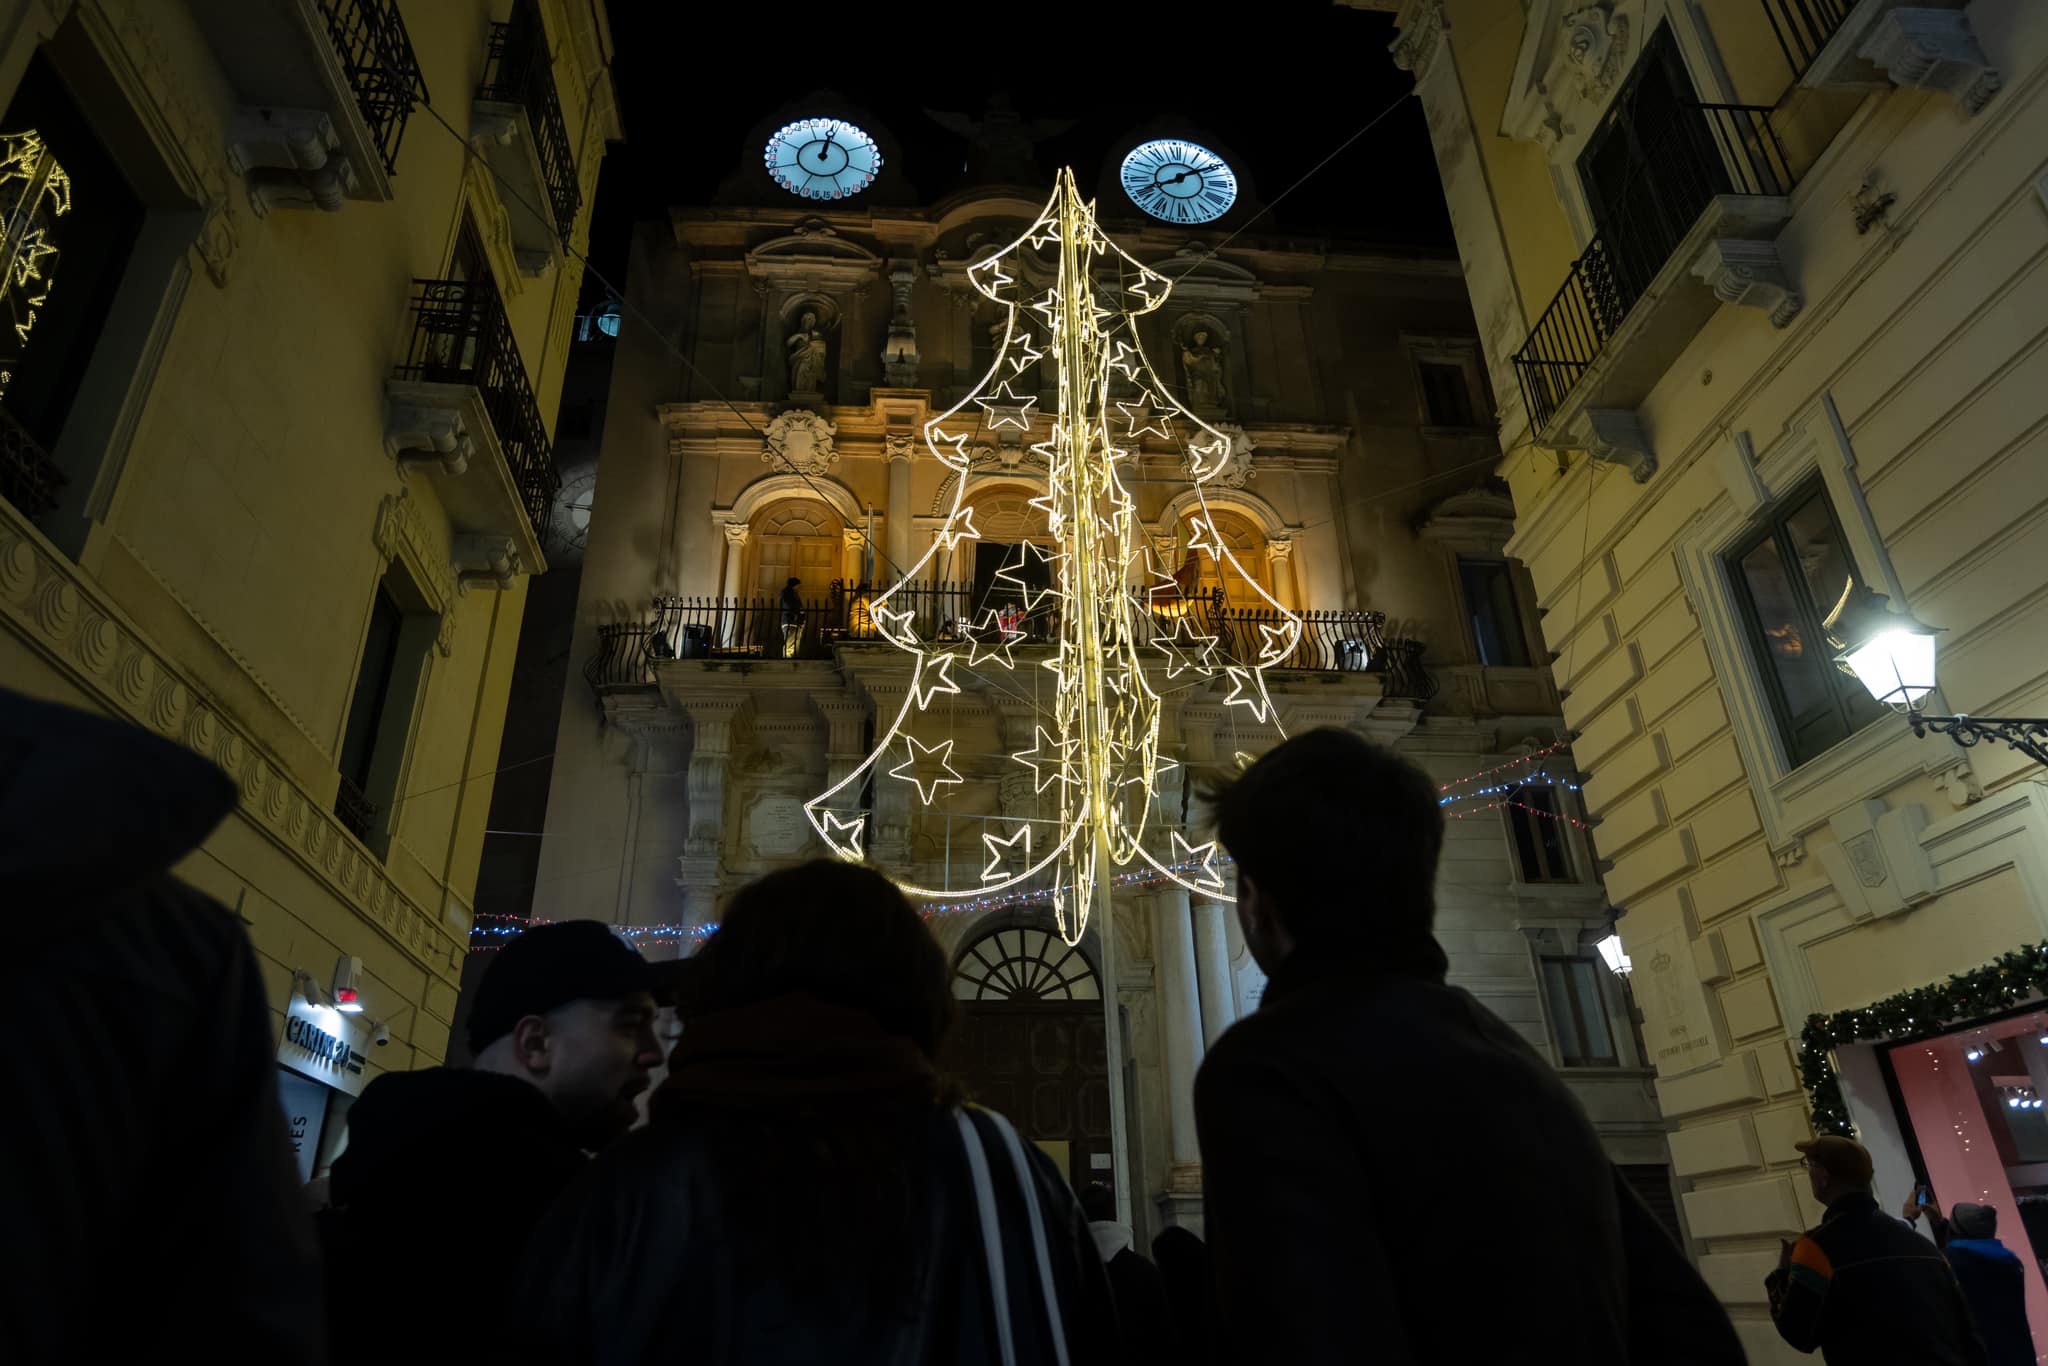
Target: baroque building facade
x: 775, y: 364
x: 291, y: 285
x: 1760, y: 287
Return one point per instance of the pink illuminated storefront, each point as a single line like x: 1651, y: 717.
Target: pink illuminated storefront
x: 1967, y: 1113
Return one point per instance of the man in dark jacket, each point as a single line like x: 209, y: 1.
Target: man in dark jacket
x: 1993, y: 1279
x: 792, y: 617
x: 1863, y: 1288
x: 1134, y: 1283
x: 1371, y: 1137
x: 562, y: 1030
x: 147, y: 1192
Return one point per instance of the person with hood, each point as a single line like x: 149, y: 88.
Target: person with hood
x: 1367, y: 1132
x: 1134, y: 1283
x: 148, y: 1193
x: 1993, y: 1279
x: 562, y: 1030
x: 792, y: 617
x: 1864, y: 1289
x: 809, y: 1188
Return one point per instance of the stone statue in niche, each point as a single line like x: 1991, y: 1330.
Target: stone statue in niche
x: 806, y: 347
x: 1201, y: 363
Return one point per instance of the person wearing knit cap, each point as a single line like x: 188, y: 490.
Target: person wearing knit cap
x: 449, y: 1168
x: 1862, y: 1288
x: 1993, y: 1278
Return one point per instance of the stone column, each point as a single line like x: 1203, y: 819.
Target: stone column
x: 853, y: 563
x: 1280, y: 570
x: 734, y: 564
x: 1212, y: 969
x: 711, y: 740
x: 896, y: 527
x: 1180, y: 1036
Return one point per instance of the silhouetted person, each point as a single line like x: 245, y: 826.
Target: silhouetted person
x: 1134, y: 1282
x: 1370, y: 1136
x: 1993, y: 1279
x: 148, y: 1195
x: 808, y: 1188
x: 447, y: 1169
x: 792, y: 617
x: 1183, y: 1262
x: 1863, y: 1288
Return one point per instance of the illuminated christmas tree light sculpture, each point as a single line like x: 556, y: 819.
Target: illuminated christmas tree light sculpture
x: 1117, y: 623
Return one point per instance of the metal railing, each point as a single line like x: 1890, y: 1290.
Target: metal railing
x: 1803, y: 27
x: 370, y: 38
x: 754, y: 628
x: 460, y: 335
x: 28, y: 477
x: 1706, y: 150
x: 357, y: 813
x: 519, y: 70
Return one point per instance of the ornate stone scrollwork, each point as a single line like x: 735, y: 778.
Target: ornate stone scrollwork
x: 802, y: 442
x: 1596, y: 45
x: 1751, y: 273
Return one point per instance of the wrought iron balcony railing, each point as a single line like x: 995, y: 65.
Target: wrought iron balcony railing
x: 460, y: 335
x: 754, y: 628
x: 376, y: 52
x: 1803, y: 28
x: 357, y: 813
x: 519, y: 70
x: 28, y: 477
x: 1706, y: 150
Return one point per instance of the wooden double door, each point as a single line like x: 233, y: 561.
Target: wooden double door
x: 1044, y: 1065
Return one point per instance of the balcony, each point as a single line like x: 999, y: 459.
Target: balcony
x: 1692, y: 228
x: 1865, y: 44
x: 517, y: 122
x: 28, y: 477
x: 460, y: 409
x: 357, y: 813
x: 326, y: 87
x: 752, y: 628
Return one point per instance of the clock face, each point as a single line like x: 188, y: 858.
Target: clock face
x: 1180, y: 182
x: 822, y: 158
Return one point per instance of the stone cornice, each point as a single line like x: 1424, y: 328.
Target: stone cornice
x: 85, y: 636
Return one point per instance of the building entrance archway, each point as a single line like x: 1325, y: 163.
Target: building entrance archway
x: 1030, y: 1044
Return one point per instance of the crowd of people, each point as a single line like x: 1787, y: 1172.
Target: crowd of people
x: 809, y: 1185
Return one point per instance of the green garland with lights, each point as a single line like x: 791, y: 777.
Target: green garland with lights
x: 2004, y: 982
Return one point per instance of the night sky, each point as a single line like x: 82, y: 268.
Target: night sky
x: 1278, y: 100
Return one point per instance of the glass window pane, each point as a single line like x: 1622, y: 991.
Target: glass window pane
x: 1823, y: 559
x: 1798, y: 664
x: 1592, y: 1013
x: 1495, y: 615
x: 1564, y: 1023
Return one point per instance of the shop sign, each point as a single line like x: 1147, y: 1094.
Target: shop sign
x: 320, y: 1043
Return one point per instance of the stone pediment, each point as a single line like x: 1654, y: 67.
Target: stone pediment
x: 1198, y: 275
x: 1572, y: 57
x: 813, y: 256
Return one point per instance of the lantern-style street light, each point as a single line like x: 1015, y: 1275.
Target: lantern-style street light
x: 1892, y: 655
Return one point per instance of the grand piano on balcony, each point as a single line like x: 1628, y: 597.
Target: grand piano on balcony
x: 1689, y: 223
x: 460, y: 411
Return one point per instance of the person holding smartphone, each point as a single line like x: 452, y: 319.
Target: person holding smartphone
x: 1991, y: 1275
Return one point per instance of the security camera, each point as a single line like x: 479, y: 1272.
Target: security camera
x: 381, y: 1035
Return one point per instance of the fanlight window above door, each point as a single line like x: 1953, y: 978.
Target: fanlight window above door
x: 1021, y: 966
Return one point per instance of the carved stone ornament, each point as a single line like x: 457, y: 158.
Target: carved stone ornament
x: 899, y: 445
x: 1866, y: 860
x: 401, y: 531
x: 800, y: 441
x: 1745, y: 272
x: 1237, y: 468
x: 1422, y: 24
x: 1596, y: 44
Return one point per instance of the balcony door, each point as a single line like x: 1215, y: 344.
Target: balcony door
x: 1648, y: 170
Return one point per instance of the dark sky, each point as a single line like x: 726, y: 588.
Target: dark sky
x: 1280, y: 85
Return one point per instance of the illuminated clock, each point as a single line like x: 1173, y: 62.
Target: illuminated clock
x: 1180, y: 182
x: 822, y: 158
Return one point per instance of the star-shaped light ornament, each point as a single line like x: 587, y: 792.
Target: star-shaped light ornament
x: 928, y: 768
x: 934, y: 676
x: 893, y: 624
x: 1255, y: 701
x: 1202, y: 536
x: 1125, y: 357
x: 990, y: 643
x: 1047, y: 759
x: 1207, y: 458
x: 1006, y: 408
x: 1203, y: 856
x: 1013, y: 574
x: 1000, y: 849
x: 950, y: 448
x: 842, y: 837
x: 1185, y: 648
x: 1277, y: 642
x: 1144, y: 416
x: 1026, y: 356
x: 1049, y: 305
x: 959, y: 527
x: 989, y: 276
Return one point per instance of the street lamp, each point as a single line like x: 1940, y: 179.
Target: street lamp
x: 1893, y: 657
x: 1611, y: 953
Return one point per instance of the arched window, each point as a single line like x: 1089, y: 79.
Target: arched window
x: 1021, y: 966
x: 793, y: 536
x: 1247, y: 546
